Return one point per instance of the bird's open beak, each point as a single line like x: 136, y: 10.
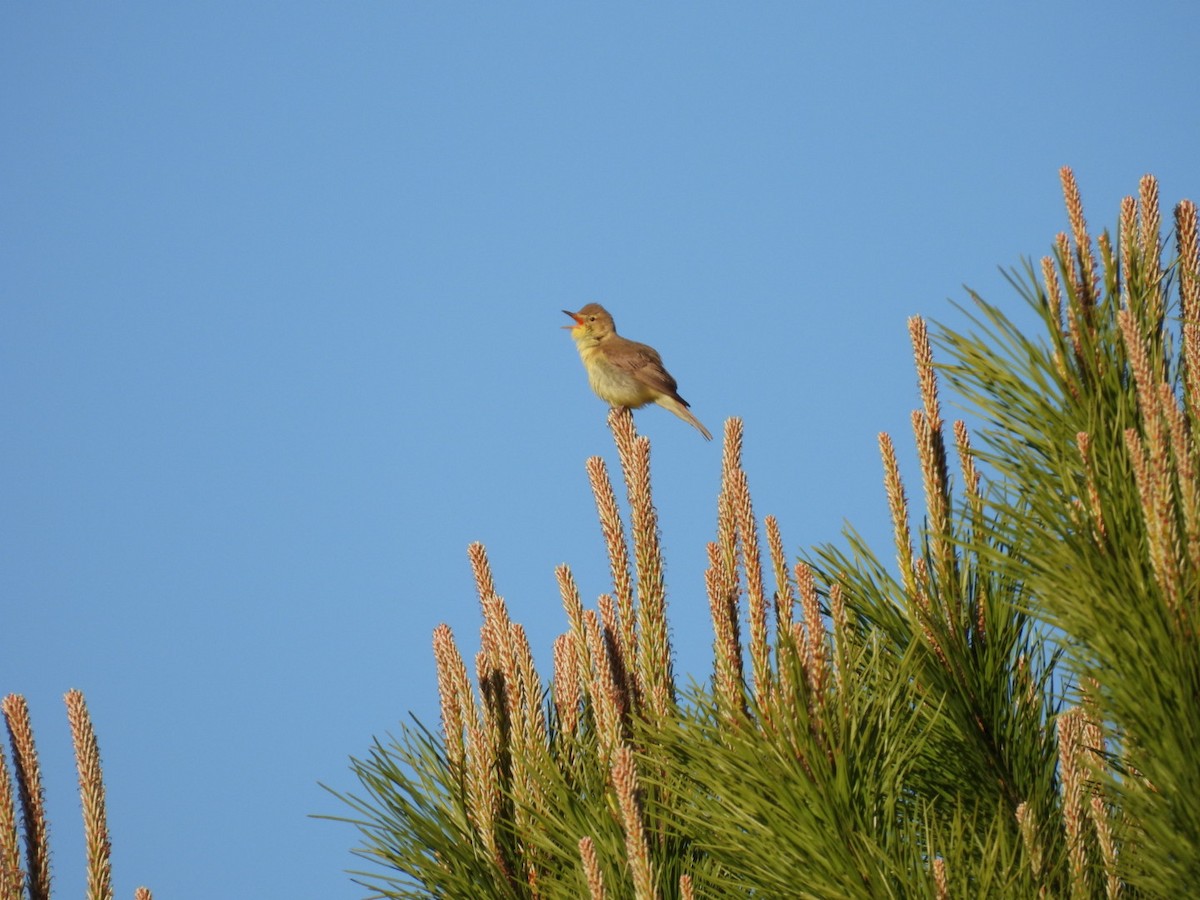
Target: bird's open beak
x: 575, y: 316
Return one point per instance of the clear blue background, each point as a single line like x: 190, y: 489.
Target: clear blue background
x: 280, y: 293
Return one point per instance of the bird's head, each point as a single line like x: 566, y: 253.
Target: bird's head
x: 593, y: 321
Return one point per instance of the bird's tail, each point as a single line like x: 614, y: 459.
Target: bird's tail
x: 679, y: 406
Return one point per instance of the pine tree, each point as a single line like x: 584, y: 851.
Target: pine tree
x: 1011, y: 710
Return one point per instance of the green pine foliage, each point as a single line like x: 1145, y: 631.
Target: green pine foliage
x: 1094, y: 422
x: 1010, y: 708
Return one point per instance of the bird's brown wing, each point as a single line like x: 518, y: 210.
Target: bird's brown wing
x: 643, y: 362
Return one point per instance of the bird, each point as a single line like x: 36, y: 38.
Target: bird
x: 623, y: 372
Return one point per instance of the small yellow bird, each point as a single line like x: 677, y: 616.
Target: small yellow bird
x: 623, y: 372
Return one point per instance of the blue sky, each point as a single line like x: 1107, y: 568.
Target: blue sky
x: 280, y: 293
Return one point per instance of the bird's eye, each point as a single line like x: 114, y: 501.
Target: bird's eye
x: 591, y: 318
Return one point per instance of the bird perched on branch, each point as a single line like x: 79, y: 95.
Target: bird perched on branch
x: 623, y: 372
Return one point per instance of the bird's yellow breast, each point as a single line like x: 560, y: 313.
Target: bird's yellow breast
x: 613, y: 385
